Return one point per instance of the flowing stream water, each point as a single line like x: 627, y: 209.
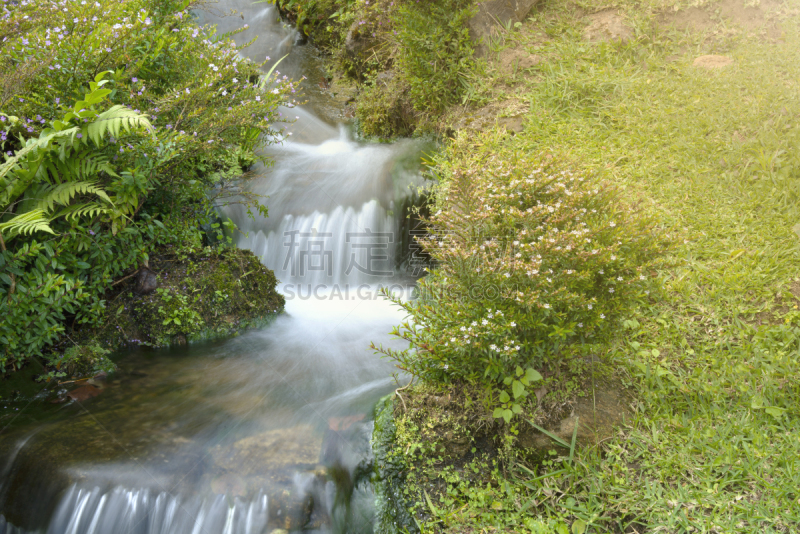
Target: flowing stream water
x: 268, y: 430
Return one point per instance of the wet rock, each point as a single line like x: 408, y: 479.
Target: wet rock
x: 596, y: 419
x: 607, y: 26
x: 146, y: 281
x: 83, y: 393
x: 284, y: 463
x: 491, y: 14
x: 712, y: 61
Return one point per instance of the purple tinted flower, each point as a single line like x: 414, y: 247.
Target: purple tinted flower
x: 134, y: 79
x: 79, y: 136
x: 91, y: 232
x: 147, y: 21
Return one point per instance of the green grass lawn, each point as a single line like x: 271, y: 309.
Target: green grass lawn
x: 714, y: 444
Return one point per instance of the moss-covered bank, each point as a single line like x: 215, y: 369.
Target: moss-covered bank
x: 444, y: 464
x: 211, y: 294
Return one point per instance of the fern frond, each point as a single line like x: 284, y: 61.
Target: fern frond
x: 63, y: 193
x: 113, y: 120
x: 11, y: 185
x: 90, y: 209
x: 25, y: 224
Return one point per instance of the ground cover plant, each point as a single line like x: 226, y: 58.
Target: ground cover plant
x: 713, y: 443
x: 411, y: 60
x: 122, y: 126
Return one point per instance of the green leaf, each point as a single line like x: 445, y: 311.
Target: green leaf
x: 498, y: 413
x: 507, y: 380
x: 507, y: 415
x: 757, y: 402
x: 504, y: 397
x: 516, y: 408
x: 532, y: 375
x: 518, y: 389
x: 775, y: 412
x: 579, y: 526
x: 497, y: 505
x: 519, y: 371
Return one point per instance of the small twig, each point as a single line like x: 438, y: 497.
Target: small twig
x: 398, y: 390
x: 123, y: 279
x: 71, y: 381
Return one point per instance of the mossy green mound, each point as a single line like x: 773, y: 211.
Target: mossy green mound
x: 209, y: 295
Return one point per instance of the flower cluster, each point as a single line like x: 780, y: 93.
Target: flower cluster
x: 532, y: 261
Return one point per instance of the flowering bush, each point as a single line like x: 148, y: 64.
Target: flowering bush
x: 533, y: 264
x: 123, y: 125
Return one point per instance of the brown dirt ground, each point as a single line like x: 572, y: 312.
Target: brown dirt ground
x: 761, y: 17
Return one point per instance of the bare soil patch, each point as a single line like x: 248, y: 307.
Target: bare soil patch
x: 750, y: 18
x: 607, y: 25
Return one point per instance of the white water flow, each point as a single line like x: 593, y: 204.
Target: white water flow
x: 267, y: 430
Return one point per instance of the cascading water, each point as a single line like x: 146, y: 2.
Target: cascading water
x: 268, y: 430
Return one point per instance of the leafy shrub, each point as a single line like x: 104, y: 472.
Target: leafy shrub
x: 123, y: 127
x: 534, y: 265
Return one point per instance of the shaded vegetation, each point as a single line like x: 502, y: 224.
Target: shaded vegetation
x: 123, y: 128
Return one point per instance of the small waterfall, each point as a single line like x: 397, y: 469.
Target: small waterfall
x: 270, y: 429
x: 332, y: 209
x: 140, y: 511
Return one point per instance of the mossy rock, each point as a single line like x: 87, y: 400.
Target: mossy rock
x: 211, y: 295
x: 392, y: 514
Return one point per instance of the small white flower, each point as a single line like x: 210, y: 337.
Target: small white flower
x: 612, y: 224
x: 613, y: 258
x: 446, y: 367
x: 547, y: 306
x: 513, y: 323
x: 235, y: 80
x: 580, y: 325
x: 484, y: 322
x: 224, y: 93
x: 590, y: 306
x: 619, y: 279
x: 611, y: 290
x: 602, y: 316
x: 490, y: 316
x: 641, y: 277
x: 463, y: 328
x: 493, y: 347
x: 474, y: 323
x: 453, y: 339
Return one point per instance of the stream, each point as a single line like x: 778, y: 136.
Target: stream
x: 269, y: 430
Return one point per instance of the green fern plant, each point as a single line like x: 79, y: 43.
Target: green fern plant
x: 52, y: 175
